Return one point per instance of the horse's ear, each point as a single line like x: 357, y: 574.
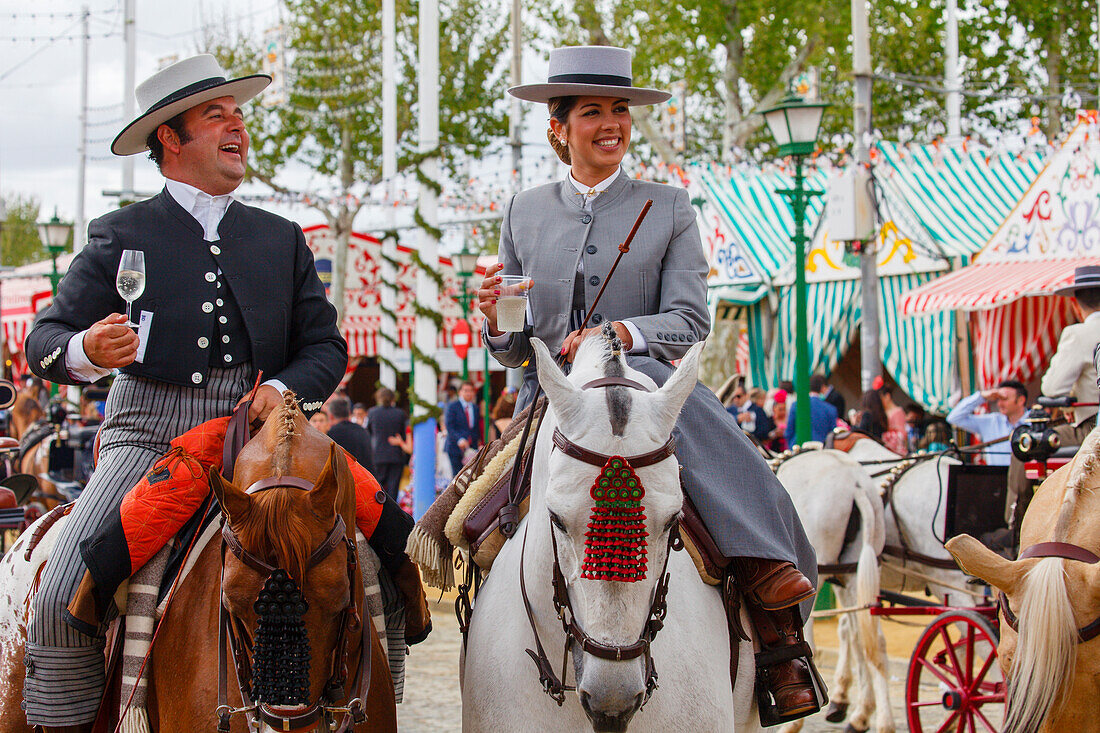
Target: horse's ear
x: 234, y: 502
x: 563, y: 396
x: 671, y: 397
x: 978, y: 560
x: 333, y: 475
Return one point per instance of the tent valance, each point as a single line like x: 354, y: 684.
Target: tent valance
x: 986, y: 285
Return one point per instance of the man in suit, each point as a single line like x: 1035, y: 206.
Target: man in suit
x: 748, y: 409
x: 834, y: 398
x: 463, y: 425
x: 823, y: 416
x: 231, y: 292
x: 347, y: 434
x: 386, y: 424
x: 1071, y: 370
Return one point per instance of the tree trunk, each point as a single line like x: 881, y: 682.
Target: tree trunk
x: 731, y: 79
x: 1054, y: 75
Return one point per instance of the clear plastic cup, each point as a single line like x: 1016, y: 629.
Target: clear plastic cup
x: 512, y: 302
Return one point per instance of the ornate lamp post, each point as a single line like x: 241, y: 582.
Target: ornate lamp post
x: 794, y: 124
x: 54, y: 234
x: 465, y: 263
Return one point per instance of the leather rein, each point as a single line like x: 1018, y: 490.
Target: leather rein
x: 552, y: 684
x: 1065, y: 551
x: 231, y: 629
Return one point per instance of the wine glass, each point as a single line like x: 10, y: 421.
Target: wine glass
x: 130, y: 281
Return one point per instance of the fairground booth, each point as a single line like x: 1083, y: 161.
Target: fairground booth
x: 938, y: 205
x: 1006, y: 295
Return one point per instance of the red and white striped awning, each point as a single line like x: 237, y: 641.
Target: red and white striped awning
x: 983, y: 286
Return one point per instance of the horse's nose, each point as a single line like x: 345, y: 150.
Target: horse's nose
x: 608, y: 721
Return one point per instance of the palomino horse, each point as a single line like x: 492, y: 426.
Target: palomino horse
x: 831, y: 492
x: 290, y: 523
x: 610, y: 595
x: 1049, y: 649
x: 25, y: 412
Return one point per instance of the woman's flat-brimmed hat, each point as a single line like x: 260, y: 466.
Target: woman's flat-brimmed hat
x: 179, y: 88
x: 1086, y: 276
x: 589, y: 71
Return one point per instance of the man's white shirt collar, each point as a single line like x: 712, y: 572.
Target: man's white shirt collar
x: 1094, y: 316
x: 206, y: 209
x: 590, y: 192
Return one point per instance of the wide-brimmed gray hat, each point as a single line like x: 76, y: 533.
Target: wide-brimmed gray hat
x: 1086, y: 276
x: 590, y: 71
x: 179, y: 88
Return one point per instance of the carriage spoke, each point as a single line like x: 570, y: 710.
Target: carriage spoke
x: 950, y: 648
x: 978, y: 681
x: 936, y: 671
x: 947, y: 723
x: 969, y: 669
x: 985, y: 721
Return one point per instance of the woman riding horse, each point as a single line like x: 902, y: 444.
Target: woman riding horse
x: 563, y: 236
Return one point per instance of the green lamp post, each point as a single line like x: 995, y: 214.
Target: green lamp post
x: 794, y: 124
x: 465, y: 263
x: 55, y: 235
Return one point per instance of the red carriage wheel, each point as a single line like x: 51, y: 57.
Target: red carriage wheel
x: 954, y: 683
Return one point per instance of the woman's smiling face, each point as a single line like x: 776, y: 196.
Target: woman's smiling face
x: 598, y: 134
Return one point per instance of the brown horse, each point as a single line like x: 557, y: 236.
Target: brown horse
x: 25, y: 412
x: 291, y: 509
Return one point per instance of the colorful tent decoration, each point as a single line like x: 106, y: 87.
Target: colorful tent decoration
x: 1052, y: 228
x: 615, y: 543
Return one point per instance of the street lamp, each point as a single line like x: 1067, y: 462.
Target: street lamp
x: 794, y: 124
x: 465, y: 263
x: 55, y: 235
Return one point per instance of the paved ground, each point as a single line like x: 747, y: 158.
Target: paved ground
x: 433, y: 703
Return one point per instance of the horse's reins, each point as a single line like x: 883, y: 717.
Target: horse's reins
x: 230, y: 628
x: 552, y: 684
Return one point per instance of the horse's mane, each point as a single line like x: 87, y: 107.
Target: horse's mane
x: 1088, y: 460
x: 284, y: 437
x: 273, y: 529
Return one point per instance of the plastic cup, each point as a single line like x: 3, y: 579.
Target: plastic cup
x: 512, y: 302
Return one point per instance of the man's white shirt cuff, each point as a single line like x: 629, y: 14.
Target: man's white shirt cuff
x: 78, y: 364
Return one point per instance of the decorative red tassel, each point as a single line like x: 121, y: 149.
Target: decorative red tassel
x: 615, y: 543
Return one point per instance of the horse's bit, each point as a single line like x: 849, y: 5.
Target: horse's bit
x: 1065, y: 551
x: 552, y: 684
x: 230, y: 627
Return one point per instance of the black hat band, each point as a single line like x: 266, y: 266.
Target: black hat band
x: 187, y: 91
x: 601, y: 79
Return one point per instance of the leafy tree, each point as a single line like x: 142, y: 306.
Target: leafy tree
x: 332, y: 122
x: 19, y: 241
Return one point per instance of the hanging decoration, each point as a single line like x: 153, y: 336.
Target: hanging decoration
x: 615, y: 543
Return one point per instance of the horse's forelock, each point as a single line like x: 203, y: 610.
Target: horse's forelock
x: 273, y: 528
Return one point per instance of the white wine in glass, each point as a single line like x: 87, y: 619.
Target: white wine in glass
x: 130, y: 281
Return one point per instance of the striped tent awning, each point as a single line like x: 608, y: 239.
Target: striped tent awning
x: 987, y: 285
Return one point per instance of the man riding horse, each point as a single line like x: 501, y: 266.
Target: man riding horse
x: 232, y: 292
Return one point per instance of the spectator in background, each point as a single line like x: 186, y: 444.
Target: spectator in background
x: 916, y: 421
x: 386, y: 425
x: 778, y: 438
x: 501, y: 414
x: 762, y: 422
x: 937, y: 437
x: 835, y: 399
x: 896, y: 437
x: 739, y: 408
x: 1007, y: 405
x: 359, y: 413
x: 872, y: 415
x: 787, y: 386
x: 463, y: 425
x: 320, y: 420
x: 823, y: 416
x: 348, y: 435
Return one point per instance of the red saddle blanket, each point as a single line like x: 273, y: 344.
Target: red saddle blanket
x: 155, y: 510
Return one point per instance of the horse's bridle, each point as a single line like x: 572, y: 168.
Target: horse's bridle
x: 1065, y: 551
x: 230, y: 628
x: 552, y: 684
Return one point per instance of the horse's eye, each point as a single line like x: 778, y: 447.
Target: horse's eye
x: 556, y: 521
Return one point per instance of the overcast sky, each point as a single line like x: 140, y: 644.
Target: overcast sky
x: 40, y: 90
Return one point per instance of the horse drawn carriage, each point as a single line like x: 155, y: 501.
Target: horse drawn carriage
x: 953, y: 681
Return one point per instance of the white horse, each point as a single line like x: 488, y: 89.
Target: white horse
x: 828, y: 488
x: 691, y: 654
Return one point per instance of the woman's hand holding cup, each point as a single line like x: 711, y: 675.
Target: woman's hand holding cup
x: 492, y: 288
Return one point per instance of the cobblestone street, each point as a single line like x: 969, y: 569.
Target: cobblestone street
x: 433, y: 703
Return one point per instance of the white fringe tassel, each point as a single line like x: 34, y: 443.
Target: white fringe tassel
x: 136, y: 720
